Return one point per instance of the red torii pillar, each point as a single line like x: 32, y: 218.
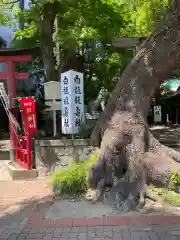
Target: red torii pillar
x: 11, y: 76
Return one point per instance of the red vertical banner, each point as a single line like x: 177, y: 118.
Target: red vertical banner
x: 28, y: 113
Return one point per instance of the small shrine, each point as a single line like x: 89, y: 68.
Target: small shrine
x: 10, y: 57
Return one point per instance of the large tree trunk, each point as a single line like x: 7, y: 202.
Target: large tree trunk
x: 46, y: 30
x: 130, y: 157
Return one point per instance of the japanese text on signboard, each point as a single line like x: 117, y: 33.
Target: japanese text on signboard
x: 28, y: 111
x: 72, y: 101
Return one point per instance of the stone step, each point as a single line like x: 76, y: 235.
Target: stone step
x: 16, y: 172
x: 4, y: 155
x: 4, y: 150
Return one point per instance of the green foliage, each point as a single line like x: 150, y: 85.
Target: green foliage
x: 175, y: 178
x: 4, y: 19
x: 146, y: 15
x: 28, y: 36
x: 9, y: 14
x: 81, y: 24
x: 170, y: 197
x: 73, y: 179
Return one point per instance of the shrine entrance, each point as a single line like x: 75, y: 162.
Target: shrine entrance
x: 20, y: 144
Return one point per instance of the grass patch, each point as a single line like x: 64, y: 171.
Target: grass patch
x: 73, y: 179
x: 169, y: 196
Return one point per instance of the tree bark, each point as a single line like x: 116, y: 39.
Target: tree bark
x: 46, y: 29
x: 130, y: 157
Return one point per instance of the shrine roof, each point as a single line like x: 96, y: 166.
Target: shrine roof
x: 18, y: 51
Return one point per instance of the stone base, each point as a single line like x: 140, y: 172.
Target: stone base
x: 18, y: 173
x: 12, y: 153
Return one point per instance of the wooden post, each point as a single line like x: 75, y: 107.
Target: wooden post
x: 54, y: 120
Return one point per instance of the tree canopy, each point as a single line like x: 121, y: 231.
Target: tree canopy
x: 65, y: 29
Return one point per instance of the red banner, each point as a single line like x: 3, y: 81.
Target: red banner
x: 28, y: 113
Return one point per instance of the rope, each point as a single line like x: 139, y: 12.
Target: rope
x: 5, y: 103
x: 10, y: 117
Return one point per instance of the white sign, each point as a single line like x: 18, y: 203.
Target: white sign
x: 53, y: 105
x: 157, y: 114
x: 51, y: 90
x: 72, y: 101
x: 52, y: 93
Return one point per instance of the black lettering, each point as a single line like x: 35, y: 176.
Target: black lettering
x: 78, y: 122
x: 65, y: 90
x: 77, y: 90
x: 66, y: 101
x: 78, y: 111
x: 65, y: 112
x: 77, y: 100
x: 65, y: 81
x: 66, y: 122
x: 77, y: 80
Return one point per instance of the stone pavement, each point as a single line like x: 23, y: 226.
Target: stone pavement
x: 100, y: 233
x: 23, y: 206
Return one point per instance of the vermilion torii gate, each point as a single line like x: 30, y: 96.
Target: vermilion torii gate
x: 11, y: 57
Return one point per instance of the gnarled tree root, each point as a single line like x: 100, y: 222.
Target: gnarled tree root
x: 157, y: 169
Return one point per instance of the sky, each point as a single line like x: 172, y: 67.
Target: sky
x: 26, y: 3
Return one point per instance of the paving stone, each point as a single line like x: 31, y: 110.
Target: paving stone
x: 75, y: 229
x: 117, y: 236
x: 83, y: 229
x: 139, y: 234
x: 126, y: 234
x: 40, y: 230
x: 23, y: 235
x: 99, y: 238
x: 50, y: 230
x: 99, y: 229
x: 58, y: 230
x: 2, y: 230
x: 36, y: 235
x: 48, y: 237
x: 69, y: 235
x: 66, y: 230
x: 13, y: 236
x: 82, y: 238
x: 26, y: 230
x: 108, y: 229
x: 82, y: 235
x: 57, y: 234
x: 152, y: 235
x: 104, y: 234
x: 6, y: 235
x: 91, y: 234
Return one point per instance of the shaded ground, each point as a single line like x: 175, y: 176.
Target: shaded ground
x: 28, y: 211
x: 19, y: 199
x: 4, y: 159
x: 25, y: 214
x: 84, y: 209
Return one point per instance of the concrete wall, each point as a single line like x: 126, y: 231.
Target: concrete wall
x: 54, y: 154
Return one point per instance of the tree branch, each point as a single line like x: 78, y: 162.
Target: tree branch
x: 9, y: 3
